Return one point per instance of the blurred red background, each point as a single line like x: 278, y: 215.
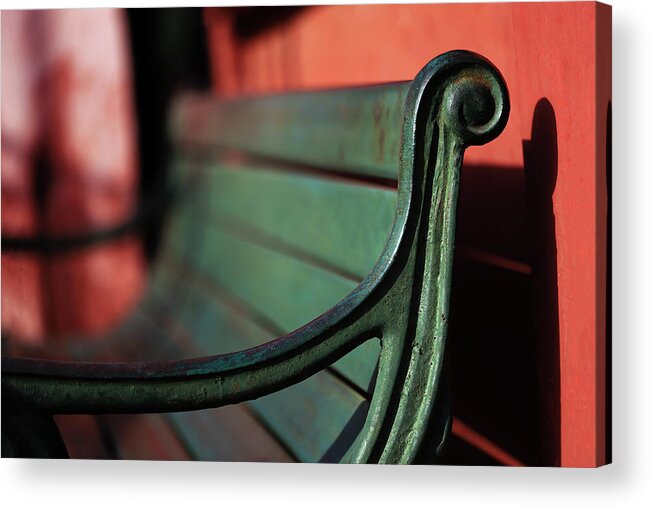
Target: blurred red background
x: 68, y: 165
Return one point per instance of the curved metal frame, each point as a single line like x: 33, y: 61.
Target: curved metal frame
x: 458, y: 99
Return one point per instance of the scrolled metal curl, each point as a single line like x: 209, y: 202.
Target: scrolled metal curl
x: 475, y: 103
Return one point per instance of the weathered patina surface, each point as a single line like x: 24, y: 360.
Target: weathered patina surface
x: 457, y: 100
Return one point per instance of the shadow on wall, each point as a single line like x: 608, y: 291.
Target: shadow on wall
x: 504, y: 325
x: 541, y: 168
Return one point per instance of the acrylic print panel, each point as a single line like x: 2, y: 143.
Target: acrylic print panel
x: 191, y: 224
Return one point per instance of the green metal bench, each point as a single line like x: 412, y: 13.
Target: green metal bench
x: 276, y: 283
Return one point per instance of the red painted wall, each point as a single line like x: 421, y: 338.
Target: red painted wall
x: 555, y: 58
x: 22, y: 295
x: 68, y: 120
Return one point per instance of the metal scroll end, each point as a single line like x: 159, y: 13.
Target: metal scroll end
x: 476, y: 101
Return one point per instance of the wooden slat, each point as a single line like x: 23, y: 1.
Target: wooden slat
x: 320, y: 401
x: 288, y: 291
x: 356, y: 130
x: 229, y: 433
x: 218, y: 325
x: 134, y: 338
x: 216, y: 328
x: 83, y: 437
x: 336, y: 222
x: 480, y: 442
x: 359, y: 366
x: 144, y: 437
x: 331, y: 221
x: 261, y: 277
x: 154, y: 341
x: 317, y: 419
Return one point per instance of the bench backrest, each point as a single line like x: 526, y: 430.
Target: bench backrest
x: 288, y: 203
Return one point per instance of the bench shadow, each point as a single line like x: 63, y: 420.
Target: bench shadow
x: 541, y: 168
x: 345, y: 440
x: 503, y: 334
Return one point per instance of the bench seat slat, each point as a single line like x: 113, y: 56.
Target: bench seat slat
x: 332, y: 405
x: 132, y: 339
x: 286, y: 291
x: 354, y: 130
x: 289, y: 291
x: 317, y: 418
x: 342, y: 224
x: 228, y: 433
x: 144, y: 437
x: 216, y: 328
x: 259, y: 196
